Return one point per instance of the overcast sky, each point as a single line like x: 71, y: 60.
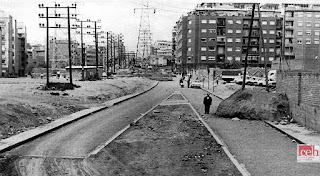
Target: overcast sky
x: 117, y: 16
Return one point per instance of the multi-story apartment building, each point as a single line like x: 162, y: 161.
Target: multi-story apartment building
x: 216, y: 34
x: 302, y: 32
x: 13, y: 46
x: 161, y: 53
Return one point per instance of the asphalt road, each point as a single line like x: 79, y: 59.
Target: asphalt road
x: 82, y: 137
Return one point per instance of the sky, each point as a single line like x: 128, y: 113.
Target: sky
x: 118, y: 16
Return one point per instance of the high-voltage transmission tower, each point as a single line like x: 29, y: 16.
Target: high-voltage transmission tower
x: 144, y: 37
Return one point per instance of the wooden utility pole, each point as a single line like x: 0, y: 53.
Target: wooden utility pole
x: 248, y: 47
x: 264, y: 50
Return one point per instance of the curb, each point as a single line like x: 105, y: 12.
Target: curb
x: 219, y: 140
x: 22, y: 138
x: 283, y: 132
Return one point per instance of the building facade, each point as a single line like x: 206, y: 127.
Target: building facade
x: 216, y: 35
x: 13, y: 46
x: 302, y: 34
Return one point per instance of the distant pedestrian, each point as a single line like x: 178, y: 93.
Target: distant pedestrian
x: 181, y: 82
x: 41, y: 75
x: 207, y: 101
x: 217, y: 82
x: 58, y: 74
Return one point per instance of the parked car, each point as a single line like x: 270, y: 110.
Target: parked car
x: 271, y: 82
x: 239, y: 79
x: 230, y: 75
x: 196, y: 84
x: 252, y: 80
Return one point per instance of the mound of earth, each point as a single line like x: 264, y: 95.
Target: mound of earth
x: 256, y: 105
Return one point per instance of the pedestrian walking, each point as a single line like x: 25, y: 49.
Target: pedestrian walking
x: 207, y: 101
x: 41, y: 75
x: 181, y: 83
x: 58, y: 74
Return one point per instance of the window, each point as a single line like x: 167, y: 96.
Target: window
x: 203, y: 48
x: 190, y: 22
x: 211, y: 48
x: 300, y: 33
x: 300, y: 14
x: 203, y: 39
x: 264, y: 31
x: 317, y: 15
x: 203, y: 57
x: 229, y: 49
x: 212, y: 31
x: 229, y: 40
x: 264, y: 22
x: 189, y: 40
x: 230, y: 21
x: 237, y: 58
x: 317, y: 24
x: 271, y: 50
x: 262, y: 58
x: 316, y: 33
x: 271, y: 41
x: 308, y: 32
x: 271, y: 58
x: 211, y: 58
x: 271, y: 32
x: 204, y: 30
x: 189, y: 31
x: 230, y: 31
x: 272, y: 22
x: 230, y: 58
x: 238, y: 48
x: 299, y: 41
x: 203, y: 21
x: 309, y: 23
x: 238, y: 31
x: 238, y: 40
x: 309, y: 15
x: 238, y: 21
x: 212, y: 21
x: 212, y: 39
x: 300, y: 23
x: 189, y: 49
x: 308, y: 41
x: 316, y: 41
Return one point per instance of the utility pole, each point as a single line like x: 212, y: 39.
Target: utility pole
x: 96, y: 42
x: 114, y: 53
x: 41, y: 25
x: 264, y: 50
x: 107, y: 63
x: 248, y: 47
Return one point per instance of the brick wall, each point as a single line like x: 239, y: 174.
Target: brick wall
x: 303, y: 91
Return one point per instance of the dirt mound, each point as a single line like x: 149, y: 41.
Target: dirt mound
x: 255, y: 104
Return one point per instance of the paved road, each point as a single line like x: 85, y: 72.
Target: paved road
x: 263, y: 150
x: 80, y: 138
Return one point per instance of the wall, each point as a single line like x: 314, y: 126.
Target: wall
x: 303, y: 91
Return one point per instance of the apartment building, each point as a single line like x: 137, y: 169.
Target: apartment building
x: 216, y: 34
x: 59, y: 53
x: 13, y: 46
x: 302, y: 34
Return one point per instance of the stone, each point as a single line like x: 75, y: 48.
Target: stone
x: 49, y: 118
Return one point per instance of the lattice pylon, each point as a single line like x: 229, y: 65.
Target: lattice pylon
x: 144, y: 37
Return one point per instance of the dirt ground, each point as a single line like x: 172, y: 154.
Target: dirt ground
x: 24, y: 106
x: 170, y: 140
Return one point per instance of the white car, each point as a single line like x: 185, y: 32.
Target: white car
x: 196, y: 84
x: 271, y: 82
x: 239, y: 79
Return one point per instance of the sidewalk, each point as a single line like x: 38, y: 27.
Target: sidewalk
x: 261, y: 149
x: 19, y: 139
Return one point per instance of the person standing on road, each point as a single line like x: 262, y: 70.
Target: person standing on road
x: 207, y: 101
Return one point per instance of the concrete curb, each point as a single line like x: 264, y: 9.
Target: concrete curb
x: 283, y: 132
x: 22, y: 138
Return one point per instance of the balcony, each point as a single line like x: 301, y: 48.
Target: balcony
x: 289, y: 27
x: 289, y: 36
x: 288, y: 53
